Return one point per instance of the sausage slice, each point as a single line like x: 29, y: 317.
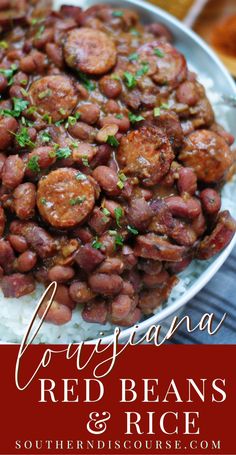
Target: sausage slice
x: 208, y: 154
x: 54, y: 96
x: 90, y: 51
x: 63, y: 200
x: 146, y: 153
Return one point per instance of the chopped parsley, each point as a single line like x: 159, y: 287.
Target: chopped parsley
x: 81, y: 176
x: 62, y: 153
x: 86, y: 82
x: 119, y: 212
x: 23, y: 81
x: 159, y: 53
x: 33, y: 165
x: 9, y: 73
x: 119, y: 241
x: 96, y: 244
x: 134, y: 32
x: 3, y: 44
x: 24, y: 92
x: 133, y: 57
x: 77, y: 200
x: 23, y: 138
x: 135, y: 118
x: 132, y: 230
x: 119, y: 116
x: 143, y: 70
x: 44, y: 94
x: 111, y: 140
x: 26, y: 122
x: 19, y: 105
x: 59, y: 122
x: 36, y: 20
x: 43, y: 201
x: 129, y: 79
x: 157, y: 110
x: 106, y: 212
x: 122, y: 179
x: 40, y: 32
x: 31, y: 110
x: 115, y: 77
x: 117, y: 13
x: 85, y: 160
x: 47, y: 118
x: 45, y: 137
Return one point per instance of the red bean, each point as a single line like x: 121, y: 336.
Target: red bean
x: 2, y: 161
x: 2, y: 221
x: 120, y: 307
x: 189, y: 208
x: 95, y: 312
x: 17, y: 285
x: 13, y: 171
x: 84, y: 151
x: 55, y: 54
x: 153, y: 281
x: 45, y: 156
x: 18, y: 242
x: 107, y: 179
x: 112, y: 107
x: 211, y: 201
x: 111, y: 88
x: 21, y: 78
x: 111, y: 265
x: 26, y: 261
x: 88, y: 257
x: 80, y: 292
x: 187, y: 182
x: 105, y: 284
x: 45, y: 37
x: 132, y: 318
x: 89, y: 113
x: 27, y: 64
x: 8, y: 125
x: 58, y: 313
x: 123, y: 123
x: 83, y: 131
x: 61, y: 274
x: 15, y: 91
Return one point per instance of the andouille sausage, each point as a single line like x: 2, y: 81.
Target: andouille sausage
x: 152, y: 246
x: 17, y: 285
x: 145, y: 153
x: 208, y: 154
x: 54, y: 96
x: 37, y: 238
x: 63, y: 199
x: 90, y: 51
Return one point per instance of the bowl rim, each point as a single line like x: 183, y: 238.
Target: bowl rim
x: 206, y: 276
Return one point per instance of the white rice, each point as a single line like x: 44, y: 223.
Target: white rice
x: 16, y: 314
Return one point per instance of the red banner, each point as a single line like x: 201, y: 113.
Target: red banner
x: 147, y: 400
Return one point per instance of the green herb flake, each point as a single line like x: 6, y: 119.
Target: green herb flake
x: 43, y: 201
x: 63, y: 153
x: 47, y: 118
x: 159, y: 53
x: 45, y: 137
x: 9, y: 73
x: 106, y: 212
x: 77, y: 200
x: 24, y: 82
x: 59, y: 122
x: 135, y: 118
x: 19, y: 105
x: 31, y: 110
x: 36, y: 20
x: 119, y: 116
x: 24, y: 92
x: 119, y: 213
x: 115, y: 77
x: 96, y: 244
x: 129, y: 79
x: 134, y: 32
x: 23, y: 138
x: 62, y: 111
x: 40, y: 32
x: 132, y: 230
x: 117, y: 13
x: 112, y: 141
x: 119, y: 241
x: 81, y: 176
x: 3, y: 45
x: 165, y: 106
x: 156, y: 111
x: 45, y: 94
x: 133, y: 57
x: 85, y: 160
x: 143, y: 70
x: 86, y: 82
x: 33, y: 164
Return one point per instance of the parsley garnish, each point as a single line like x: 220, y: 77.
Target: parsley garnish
x: 106, y: 212
x: 85, y: 160
x: 119, y: 116
x: 96, y: 244
x: 43, y: 201
x: 3, y: 44
x: 81, y: 176
x: 33, y: 164
x: 134, y: 32
x: 118, y: 214
x: 135, y: 118
x: 118, y: 238
x: 77, y: 200
x: 111, y: 140
x: 159, y: 53
x: 157, y: 110
x: 23, y: 138
x: 122, y: 179
x: 9, y: 73
x: 48, y: 118
x: 117, y: 13
x: 133, y: 57
x: 62, y: 153
x: 129, y: 79
x: 44, y: 94
x: 45, y: 137
x: 143, y: 70
x: 40, y: 32
x: 132, y: 230
x: 86, y: 82
x: 19, y: 105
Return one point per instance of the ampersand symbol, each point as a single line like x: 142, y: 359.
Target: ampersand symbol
x: 96, y: 426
